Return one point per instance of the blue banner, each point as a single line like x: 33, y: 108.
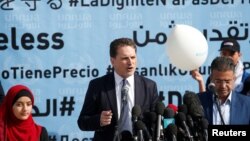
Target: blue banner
x: 56, y: 47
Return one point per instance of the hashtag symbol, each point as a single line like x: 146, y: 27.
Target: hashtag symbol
x: 67, y: 106
x: 73, y: 3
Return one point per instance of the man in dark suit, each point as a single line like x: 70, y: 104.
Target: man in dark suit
x: 235, y: 108
x: 101, y: 110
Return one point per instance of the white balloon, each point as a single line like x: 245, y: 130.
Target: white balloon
x: 187, y: 47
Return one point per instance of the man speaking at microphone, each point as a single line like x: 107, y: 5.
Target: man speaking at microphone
x: 222, y: 106
x: 109, y: 99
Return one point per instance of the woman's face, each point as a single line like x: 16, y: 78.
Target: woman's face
x: 22, y: 108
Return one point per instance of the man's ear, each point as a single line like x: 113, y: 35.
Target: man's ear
x: 112, y: 60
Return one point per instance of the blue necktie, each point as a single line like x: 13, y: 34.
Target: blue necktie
x: 125, y: 123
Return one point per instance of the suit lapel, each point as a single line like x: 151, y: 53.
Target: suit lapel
x: 138, y: 90
x: 234, y: 109
x: 111, y: 94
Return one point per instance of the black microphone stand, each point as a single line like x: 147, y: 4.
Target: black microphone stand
x: 211, y: 87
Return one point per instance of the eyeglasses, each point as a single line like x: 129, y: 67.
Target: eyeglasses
x: 220, y: 82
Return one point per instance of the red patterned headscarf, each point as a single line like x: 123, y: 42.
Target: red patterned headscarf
x: 13, y: 129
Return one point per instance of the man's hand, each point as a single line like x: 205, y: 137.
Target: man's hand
x: 106, y: 117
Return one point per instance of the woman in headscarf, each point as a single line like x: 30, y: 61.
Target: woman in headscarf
x: 16, y: 122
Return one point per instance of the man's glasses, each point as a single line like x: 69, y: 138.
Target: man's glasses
x: 221, y: 82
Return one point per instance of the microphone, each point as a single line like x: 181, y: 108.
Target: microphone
x: 171, y: 132
x: 193, y: 103
x: 141, y: 126
x: 183, y: 108
x: 211, y: 88
x: 181, y: 120
x: 168, y: 117
x: 126, y: 136
x: 159, y: 110
x: 136, y: 112
x: 204, y: 126
x: 193, y: 127
x: 150, y: 119
x: 174, y: 107
x: 190, y: 121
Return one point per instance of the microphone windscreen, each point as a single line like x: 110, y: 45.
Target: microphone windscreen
x: 172, y: 129
x: 172, y: 106
x: 190, y: 97
x: 150, y: 119
x: 211, y: 87
x: 187, y: 98
x: 204, y: 123
x: 136, y: 110
x: 170, y: 133
x: 196, y: 110
x: 168, y: 113
x: 159, y: 108
x: 168, y: 117
x: 126, y: 136
x: 193, y: 103
x: 179, y: 118
x: 183, y: 108
x: 139, y: 125
x: 152, y: 116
